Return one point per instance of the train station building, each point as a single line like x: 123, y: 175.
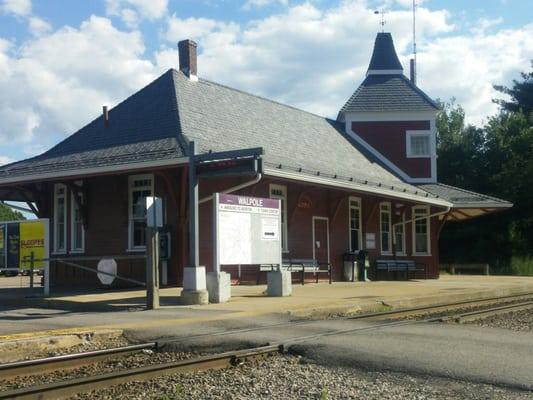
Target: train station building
x: 365, y: 180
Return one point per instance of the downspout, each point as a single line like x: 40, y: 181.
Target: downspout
x: 257, y: 178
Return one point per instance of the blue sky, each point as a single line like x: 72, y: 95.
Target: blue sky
x: 61, y: 60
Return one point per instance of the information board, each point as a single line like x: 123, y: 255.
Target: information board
x: 247, y: 230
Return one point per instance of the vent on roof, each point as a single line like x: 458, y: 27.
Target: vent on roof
x: 105, y: 115
x: 187, y: 57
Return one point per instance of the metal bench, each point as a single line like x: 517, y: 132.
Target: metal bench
x: 483, y: 268
x: 396, y: 266
x: 301, y: 265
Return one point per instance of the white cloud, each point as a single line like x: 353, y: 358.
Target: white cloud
x: 305, y: 56
x: 133, y: 11
x: 249, y: 4
x: 38, y: 26
x: 19, y: 8
x: 5, y: 160
x: 55, y: 83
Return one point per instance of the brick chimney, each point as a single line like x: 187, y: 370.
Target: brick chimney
x: 187, y: 54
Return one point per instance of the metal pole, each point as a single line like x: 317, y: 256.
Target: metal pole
x: 32, y: 263
x: 152, y: 255
x: 194, y: 260
x: 216, y: 255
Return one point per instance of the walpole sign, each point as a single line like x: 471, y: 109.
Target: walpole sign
x: 247, y: 230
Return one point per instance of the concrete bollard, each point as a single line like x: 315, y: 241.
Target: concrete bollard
x: 218, y: 287
x: 279, y: 283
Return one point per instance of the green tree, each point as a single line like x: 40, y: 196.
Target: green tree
x: 8, y: 214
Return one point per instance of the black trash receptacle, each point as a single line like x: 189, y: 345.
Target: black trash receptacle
x: 361, y: 259
x: 349, y: 272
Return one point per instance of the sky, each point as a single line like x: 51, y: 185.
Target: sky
x: 62, y: 60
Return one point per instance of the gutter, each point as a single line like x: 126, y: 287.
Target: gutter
x: 356, y: 187
x: 94, y: 170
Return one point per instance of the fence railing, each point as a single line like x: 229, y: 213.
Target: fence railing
x: 74, y: 262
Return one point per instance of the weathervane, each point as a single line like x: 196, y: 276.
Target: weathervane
x: 382, y: 21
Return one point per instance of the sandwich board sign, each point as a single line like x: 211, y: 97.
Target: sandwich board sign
x: 247, y: 230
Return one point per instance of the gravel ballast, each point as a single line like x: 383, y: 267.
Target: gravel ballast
x: 520, y: 321
x: 290, y: 377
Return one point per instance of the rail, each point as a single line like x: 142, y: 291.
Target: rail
x: 62, y: 389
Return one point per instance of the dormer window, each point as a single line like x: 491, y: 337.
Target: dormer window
x: 418, y: 144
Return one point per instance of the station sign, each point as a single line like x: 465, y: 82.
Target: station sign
x: 232, y: 167
x: 247, y: 230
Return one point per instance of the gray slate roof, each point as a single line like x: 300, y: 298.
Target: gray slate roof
x: 462, y: 198
x: 384, y: 56
x: 388, y: 93
x: 158, y: 121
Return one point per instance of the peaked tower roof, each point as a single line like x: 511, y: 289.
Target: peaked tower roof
x: 384, y: 57
x: 385, y: 87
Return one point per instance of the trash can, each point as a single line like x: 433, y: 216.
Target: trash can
x: 361, y: 265
x: 350, y: 270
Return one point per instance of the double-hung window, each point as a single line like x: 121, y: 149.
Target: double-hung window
x: 77, y: 231
x: 399, y: 237
x: 418, y: 144
x: 385, y: 227
x: 421, y: 231
x: 356, y: 236
x: 60, y: 218
x: 280, y: 192
x: 140, y: 187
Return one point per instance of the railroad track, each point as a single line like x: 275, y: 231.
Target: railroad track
x: 70, y: 387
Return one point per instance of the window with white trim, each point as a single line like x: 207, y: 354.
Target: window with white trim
x: 60, y: 218
x: 77, y: 231
x: 399, y: 237
x: 140, y: 187
x: 421, y: 230
x: 356, y: 233
x: 385, y: 227
x: 418, y: 144
x: 280, y: 192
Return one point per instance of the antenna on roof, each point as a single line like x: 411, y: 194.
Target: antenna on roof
x: 413, y: 60
x: 382, y: 21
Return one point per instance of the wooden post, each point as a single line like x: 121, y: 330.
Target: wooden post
x: 152, y: 268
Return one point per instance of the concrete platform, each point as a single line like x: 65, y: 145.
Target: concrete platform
x: 77, y: 312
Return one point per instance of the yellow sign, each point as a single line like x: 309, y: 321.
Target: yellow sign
x: 2, y: 238
x: 32, y: 239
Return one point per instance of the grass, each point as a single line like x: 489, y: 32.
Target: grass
x: 522, y: 266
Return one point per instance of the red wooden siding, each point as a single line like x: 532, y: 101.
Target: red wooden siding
x: 389, y: 138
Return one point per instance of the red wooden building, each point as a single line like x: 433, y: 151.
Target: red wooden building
x: 367, y: 180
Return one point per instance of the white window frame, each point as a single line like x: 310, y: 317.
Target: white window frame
x: 57, y: 196
x: 131, y: 188
x: 389, y: 211
x: 401, y: 226
x: 284, y: 225
x: 73, y: 206
x: 428, y: 230
x: 360, y: 228
x: 409, y: 150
